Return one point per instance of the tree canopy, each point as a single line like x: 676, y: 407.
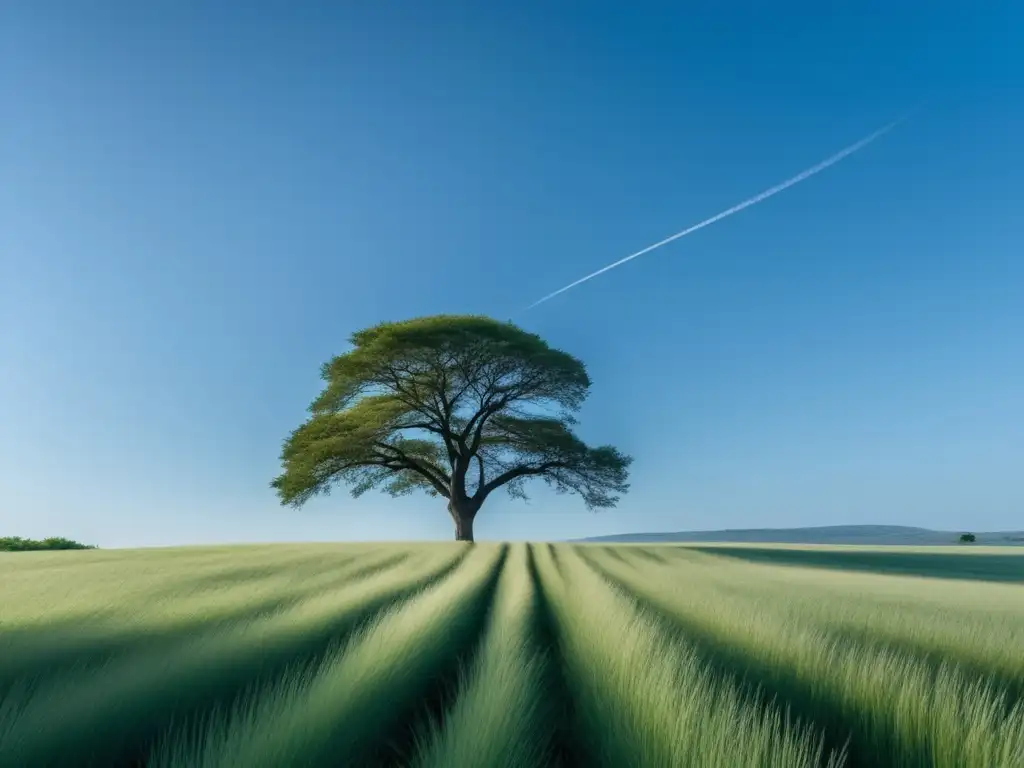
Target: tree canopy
x: 454, y: 405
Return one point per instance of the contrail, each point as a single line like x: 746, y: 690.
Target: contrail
x: 814, y: 169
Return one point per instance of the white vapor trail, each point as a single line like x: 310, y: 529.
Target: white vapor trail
x: 814, y: 169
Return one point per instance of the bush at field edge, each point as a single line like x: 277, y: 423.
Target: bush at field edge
x: 18, y: 544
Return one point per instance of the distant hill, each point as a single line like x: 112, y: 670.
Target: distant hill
x: 830, y: 534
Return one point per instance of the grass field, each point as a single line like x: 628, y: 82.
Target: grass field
x: 434, y: 655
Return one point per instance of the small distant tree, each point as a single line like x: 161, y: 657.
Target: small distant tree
x: 967, y: 538
x: 457, y: 406
x: 18, y: 544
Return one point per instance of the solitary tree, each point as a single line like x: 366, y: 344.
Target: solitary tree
x: 967, y: 538
x: 457, y: 406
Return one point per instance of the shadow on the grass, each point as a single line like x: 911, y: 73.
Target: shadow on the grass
x: 567, y: 747
x: 397, y: 744
x: 939, y: 565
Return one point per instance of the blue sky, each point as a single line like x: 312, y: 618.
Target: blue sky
x: 198, y: 206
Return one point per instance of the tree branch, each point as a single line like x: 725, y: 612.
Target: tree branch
x: 523, y: 470
x: 481, y: 479
x: 425, y: 425
x: 495, y: 400
x: 439, y: 418
x: 435, y: 475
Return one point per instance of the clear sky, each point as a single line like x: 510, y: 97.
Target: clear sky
x: 198, y: 205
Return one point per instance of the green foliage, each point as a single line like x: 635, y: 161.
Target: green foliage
x: 18, y: 544
x: 967, y: 538
x: 458, y: 406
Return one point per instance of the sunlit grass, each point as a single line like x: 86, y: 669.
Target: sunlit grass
x: 980, y: 625
x: 107, y: 711
x: 426, y: 655
x: 498, y: 718
x: 333, y: 712
x: 642, y: 699
x: 898, y: 709
x: 30, y: 650
x: 43, y: 587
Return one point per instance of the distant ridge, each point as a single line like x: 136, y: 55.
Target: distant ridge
x: 830, y: 534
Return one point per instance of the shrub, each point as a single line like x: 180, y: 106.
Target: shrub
x: 18, y: 544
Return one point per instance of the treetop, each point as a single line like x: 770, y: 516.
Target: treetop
x: 463, y: 348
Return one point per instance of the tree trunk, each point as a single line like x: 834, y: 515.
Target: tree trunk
x: 463, y: 514
x: 463, y: 528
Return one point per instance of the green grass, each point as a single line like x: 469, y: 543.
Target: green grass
x: 980, y: 627
x: 894, y: 706
x: 964, y: 563
x: 522, y: 655
x: 355, y: 694
x: 98, y: 716
x: 643, y: 699
x: 31, y: 649
x: 501, y: 698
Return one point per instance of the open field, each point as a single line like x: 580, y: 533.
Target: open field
x: 435, y: 655
x: 865, y: 535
